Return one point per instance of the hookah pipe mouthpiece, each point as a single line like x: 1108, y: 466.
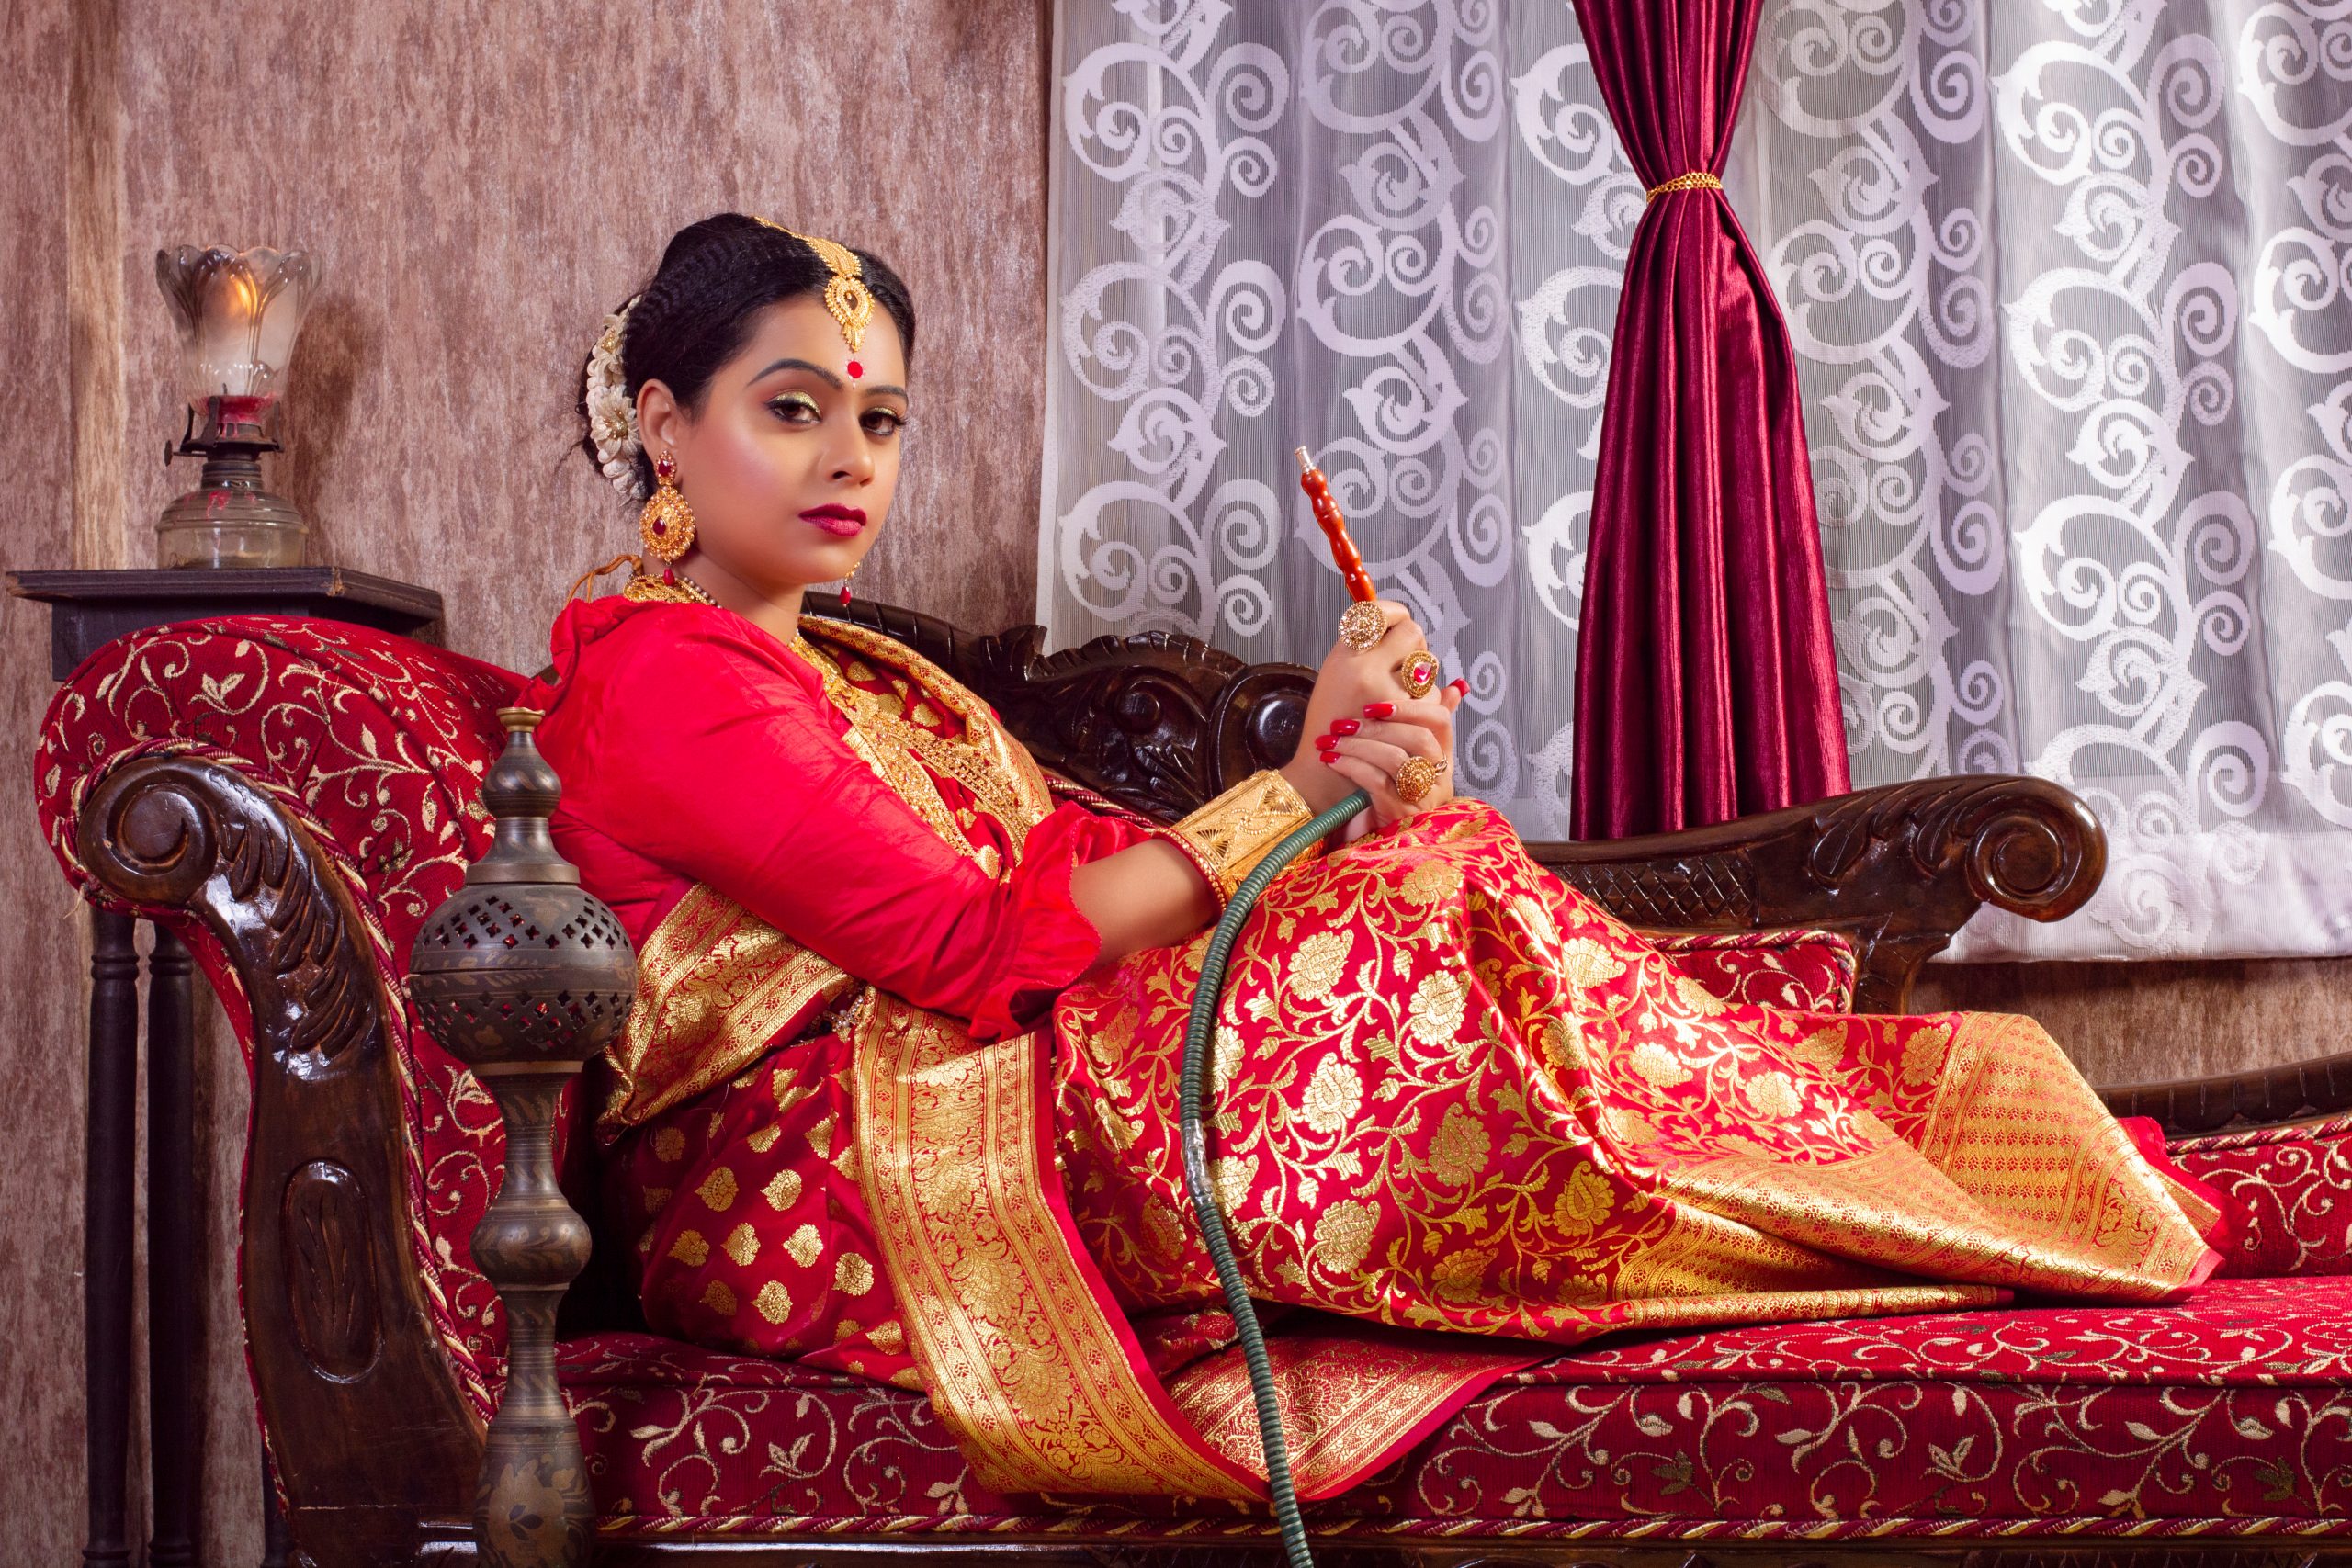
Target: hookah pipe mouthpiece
x: 1334, y: 526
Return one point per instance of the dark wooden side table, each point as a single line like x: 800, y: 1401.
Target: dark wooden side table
x: 89, y: 610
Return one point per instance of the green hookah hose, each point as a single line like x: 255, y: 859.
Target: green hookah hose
x: 1198, y: 1030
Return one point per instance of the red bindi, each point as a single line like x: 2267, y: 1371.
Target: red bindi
x: 855, y: 369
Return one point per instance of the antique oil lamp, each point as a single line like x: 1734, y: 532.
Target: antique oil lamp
x: 238, y: 312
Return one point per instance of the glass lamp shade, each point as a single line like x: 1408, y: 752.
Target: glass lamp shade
x: 238, y: 312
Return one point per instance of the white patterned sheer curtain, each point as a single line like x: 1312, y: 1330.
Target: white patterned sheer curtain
x: 2070, y: 283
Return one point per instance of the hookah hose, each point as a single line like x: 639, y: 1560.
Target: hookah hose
x: 1199, y: 1029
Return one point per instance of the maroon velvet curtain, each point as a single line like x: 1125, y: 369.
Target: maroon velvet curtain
x: 1706, y: 684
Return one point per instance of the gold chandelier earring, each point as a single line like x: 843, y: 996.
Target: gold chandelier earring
x: 667, y: 524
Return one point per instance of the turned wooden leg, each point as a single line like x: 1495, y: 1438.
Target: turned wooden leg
x: 106, y: 1232
x: 174, y: 1451
x: 533, y: 1509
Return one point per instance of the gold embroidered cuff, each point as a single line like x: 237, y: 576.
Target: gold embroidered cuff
x: 1232, y: 834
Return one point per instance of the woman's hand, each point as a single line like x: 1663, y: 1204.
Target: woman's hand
x: 1364, y: 727
x: 1369, y: 752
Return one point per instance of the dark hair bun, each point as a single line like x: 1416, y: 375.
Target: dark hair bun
x: 696, y: 313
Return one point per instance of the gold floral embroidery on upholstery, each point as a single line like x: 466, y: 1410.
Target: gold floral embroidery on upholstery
x: 773, y: 1301
x: 742, y: 1245
x: 690, y: 1249
x: 782, y: 1188
x: 852, y: 1275
x: 718, y: 1298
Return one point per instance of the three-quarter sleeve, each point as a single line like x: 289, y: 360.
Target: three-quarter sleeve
x: 717, y: 755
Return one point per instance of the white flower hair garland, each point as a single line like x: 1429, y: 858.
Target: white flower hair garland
x: 612, y: 417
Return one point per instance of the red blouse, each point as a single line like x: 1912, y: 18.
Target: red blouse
x: 695, y: 747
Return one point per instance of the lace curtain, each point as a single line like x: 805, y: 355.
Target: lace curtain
x: 2067, y: 281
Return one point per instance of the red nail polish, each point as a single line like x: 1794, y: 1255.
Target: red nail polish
x: 1326, y: 743
x: 1329, y: 757
x: 1377, y: 711
x: 1461, y: 686
x: 1345, y: 726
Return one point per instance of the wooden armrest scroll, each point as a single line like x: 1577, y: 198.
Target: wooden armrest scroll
x: 1898, y: 869
x: 337, y: 1319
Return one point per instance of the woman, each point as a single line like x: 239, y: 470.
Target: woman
x: 898, y: 1096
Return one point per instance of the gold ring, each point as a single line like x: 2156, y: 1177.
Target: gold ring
x: 1416, y: 778
x: 1419, y: 674
x: 1362, y: 624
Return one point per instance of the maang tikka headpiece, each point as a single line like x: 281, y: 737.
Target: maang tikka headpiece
x: 846, y: 296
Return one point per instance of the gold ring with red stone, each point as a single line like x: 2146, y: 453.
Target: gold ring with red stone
x: 1419, y: 674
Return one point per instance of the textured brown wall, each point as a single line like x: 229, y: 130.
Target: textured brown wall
x: 480, y: 183
x: 2128, y: 1023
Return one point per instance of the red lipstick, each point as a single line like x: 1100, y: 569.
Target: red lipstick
x: 841, y: 522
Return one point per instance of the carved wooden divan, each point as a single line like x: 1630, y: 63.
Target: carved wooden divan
x: 295, y: 799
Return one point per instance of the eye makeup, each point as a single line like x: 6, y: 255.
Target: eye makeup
x: 796, y: 408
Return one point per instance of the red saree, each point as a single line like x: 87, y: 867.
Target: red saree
x: 868, y: 1112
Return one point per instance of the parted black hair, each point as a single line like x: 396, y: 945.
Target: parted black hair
x: 696, y: 312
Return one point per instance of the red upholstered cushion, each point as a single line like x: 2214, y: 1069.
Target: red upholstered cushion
x: 376, y: 744
x: 2231, y: 1412
x: 2293, y: 1193
x: 1805, y: 970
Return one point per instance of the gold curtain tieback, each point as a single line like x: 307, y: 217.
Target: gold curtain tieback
x: 1695, y: 180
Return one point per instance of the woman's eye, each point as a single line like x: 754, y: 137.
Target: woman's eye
x: 884, y: 423
x: 797, y: 408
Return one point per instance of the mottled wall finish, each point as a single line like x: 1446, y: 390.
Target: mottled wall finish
x: 480, y: 182
x: 40, y: 1077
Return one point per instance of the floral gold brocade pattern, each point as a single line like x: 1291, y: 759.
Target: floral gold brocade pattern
x: 1452, y: 1093
x: 2223, y: 1417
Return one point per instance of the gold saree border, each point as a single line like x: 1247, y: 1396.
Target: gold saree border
x: 1029, y: 1362
x: 716, y: 987
x: 1352, y: 1397
x: 1038, y: 1376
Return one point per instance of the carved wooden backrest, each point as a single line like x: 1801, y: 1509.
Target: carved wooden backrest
x: 1162, y: 723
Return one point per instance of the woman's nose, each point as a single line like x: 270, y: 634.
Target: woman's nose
x: 853, y: 460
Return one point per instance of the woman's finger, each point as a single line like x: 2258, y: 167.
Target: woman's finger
x: 1386, y: 806
x: 1415, y: 739
x: 1381, y: 754
x: 1427, y: 712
